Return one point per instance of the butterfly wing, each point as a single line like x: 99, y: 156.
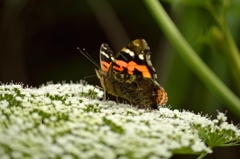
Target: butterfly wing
x: 135, y: 59
x: 106, y: 57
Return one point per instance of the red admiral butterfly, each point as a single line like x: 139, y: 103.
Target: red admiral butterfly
x: 131, y: 76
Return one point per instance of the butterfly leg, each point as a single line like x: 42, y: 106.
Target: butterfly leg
x: 92, y: 93
x: 105, y: 95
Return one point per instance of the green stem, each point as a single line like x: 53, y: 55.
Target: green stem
x: 202, y: 155
x: 232, y: 51
x: 233, y: 55
x: 191, y: 57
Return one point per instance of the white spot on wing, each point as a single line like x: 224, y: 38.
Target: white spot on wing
x: 105, y: 54
x: 148, y: 60
x: 131, y: 53
x: 103, y: 46
x: 140, y: 56
x: 112, y: 58
x: 155, y: 76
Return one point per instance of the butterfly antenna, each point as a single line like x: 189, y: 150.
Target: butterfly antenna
x: 88, y: 76
x: 84, y: 52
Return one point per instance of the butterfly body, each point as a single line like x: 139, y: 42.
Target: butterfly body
x: 131, y: 76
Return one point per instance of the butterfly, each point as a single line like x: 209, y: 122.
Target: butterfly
x: 130, y: 75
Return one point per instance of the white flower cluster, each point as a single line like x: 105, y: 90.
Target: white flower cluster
x: 57, y: 121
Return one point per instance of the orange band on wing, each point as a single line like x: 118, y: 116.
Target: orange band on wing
x: 105, y: 66
x: 121, y: 64
x: 131, y: 66
x: 142, y: 68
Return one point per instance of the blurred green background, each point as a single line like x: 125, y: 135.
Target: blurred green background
x: 38, y: 41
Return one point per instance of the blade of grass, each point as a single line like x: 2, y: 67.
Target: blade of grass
x: 233, y: 55
x: 191, y: 57
x: 232, y: 52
